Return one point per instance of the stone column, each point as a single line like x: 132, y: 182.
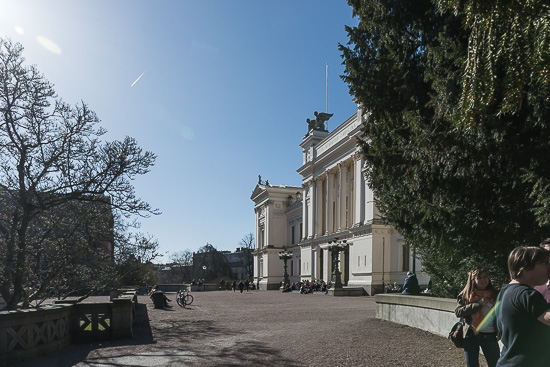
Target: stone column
x: 352, y: 192
x: 359, y: 191
x: 310, y: 212
x: 329, y: 204
x: 315, y: 229
x: 267, y: 224
x: 327, y: 271
x: 340, y: 195
x: 257, y: 229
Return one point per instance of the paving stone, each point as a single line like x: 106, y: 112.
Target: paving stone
x: 263, y: 328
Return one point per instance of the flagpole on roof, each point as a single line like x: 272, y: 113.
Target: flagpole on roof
x: 326, y: 89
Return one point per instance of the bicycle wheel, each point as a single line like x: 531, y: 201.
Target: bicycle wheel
x: 180, y: 299
x: 188, y: 299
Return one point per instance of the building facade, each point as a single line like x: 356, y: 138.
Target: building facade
x: 334, y: 205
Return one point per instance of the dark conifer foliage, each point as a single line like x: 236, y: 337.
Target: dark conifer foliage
x: 456, y: 142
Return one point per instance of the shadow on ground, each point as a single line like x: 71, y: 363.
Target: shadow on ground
x: 178, y: 342
x: 78, y: 352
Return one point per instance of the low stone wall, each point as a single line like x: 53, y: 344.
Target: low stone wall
x: 205, y: 287
x: 27, y: 334
x: 432, y: 314
x: 192, y: 288
x: 30, y: 333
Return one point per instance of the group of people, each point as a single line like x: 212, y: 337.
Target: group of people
x: 158, y: 297
x: 241, y: 285
x: 519, y: 314
x: 389, y: 288
x: 307, y: 287
x: 410, y: 286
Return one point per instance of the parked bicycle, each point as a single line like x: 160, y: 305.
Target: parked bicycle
x: 183, y: 298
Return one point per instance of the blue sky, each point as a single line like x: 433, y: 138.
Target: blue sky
x: 218, y: 89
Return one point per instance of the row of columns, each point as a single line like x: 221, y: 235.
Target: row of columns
x: 318, y: 210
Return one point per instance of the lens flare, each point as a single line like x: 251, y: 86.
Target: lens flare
x: 490, y: 317
x: 49, y: 45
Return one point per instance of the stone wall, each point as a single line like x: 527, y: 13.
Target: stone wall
x: 432, y: 314
x: 27, y: 334
x: 30, y: 333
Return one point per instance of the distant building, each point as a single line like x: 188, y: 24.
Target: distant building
x: 334, y: 203
x: 223, y: 264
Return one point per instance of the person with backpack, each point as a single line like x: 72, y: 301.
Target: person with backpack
x: 474, y: 303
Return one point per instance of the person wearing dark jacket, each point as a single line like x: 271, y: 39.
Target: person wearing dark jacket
x: 411, y: 284
x: 523, y: 318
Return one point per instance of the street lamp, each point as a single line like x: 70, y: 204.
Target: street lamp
x: 335, y: 248
x: 285, y: 255
x: 203, y: 279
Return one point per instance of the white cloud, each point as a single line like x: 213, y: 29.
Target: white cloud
x: 20, y: 30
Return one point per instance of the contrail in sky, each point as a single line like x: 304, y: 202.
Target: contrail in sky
x: 137, y: 80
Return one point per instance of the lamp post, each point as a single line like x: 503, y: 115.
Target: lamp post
x: 335, y: 247
x: 383, y: 263
x: 285, y: 255
x: 203, y: 279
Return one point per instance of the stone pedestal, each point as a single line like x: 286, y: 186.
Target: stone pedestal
x: 121, y: 318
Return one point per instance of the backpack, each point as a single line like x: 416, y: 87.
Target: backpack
x: 456, y: 334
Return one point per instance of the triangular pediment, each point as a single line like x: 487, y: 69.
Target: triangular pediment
x: 258, y: 190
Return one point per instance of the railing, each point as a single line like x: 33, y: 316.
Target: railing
x: 27, y: 334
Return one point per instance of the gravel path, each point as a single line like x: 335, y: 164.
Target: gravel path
x: 263, y: 328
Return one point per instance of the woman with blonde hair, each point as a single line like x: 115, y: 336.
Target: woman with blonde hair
x: 474, y: 303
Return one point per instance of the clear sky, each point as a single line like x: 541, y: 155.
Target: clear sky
x: 219, y: 89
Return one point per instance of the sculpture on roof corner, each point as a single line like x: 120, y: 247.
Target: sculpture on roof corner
x: 319, y: 122
x: 260, y: 181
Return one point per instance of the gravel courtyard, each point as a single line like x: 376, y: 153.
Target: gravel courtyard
x: 263, y: 328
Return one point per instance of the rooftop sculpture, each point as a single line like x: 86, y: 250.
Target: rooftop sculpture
x: 319, y: 122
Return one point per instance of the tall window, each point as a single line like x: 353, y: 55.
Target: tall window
x: 291, y: 267
x: 347, y: 212
x: 293, y: 235
x: 406, y: 253
x: 333, y: 215
x: 262, y: 238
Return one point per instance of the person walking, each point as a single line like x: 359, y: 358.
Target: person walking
x: 234, y: 285
x: 247, y: 285
x: 241, y: 286
x: 474, y: 302
x: 523, y: 318
x: 544, y: 289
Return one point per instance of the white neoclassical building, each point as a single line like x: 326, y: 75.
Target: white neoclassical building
x: 334, y: 204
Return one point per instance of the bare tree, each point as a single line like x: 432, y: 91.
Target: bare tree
x: 181, y: 264
x: 65, y: 195
x: 247, y: 246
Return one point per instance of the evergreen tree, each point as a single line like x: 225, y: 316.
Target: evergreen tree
x: 464, y: 182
